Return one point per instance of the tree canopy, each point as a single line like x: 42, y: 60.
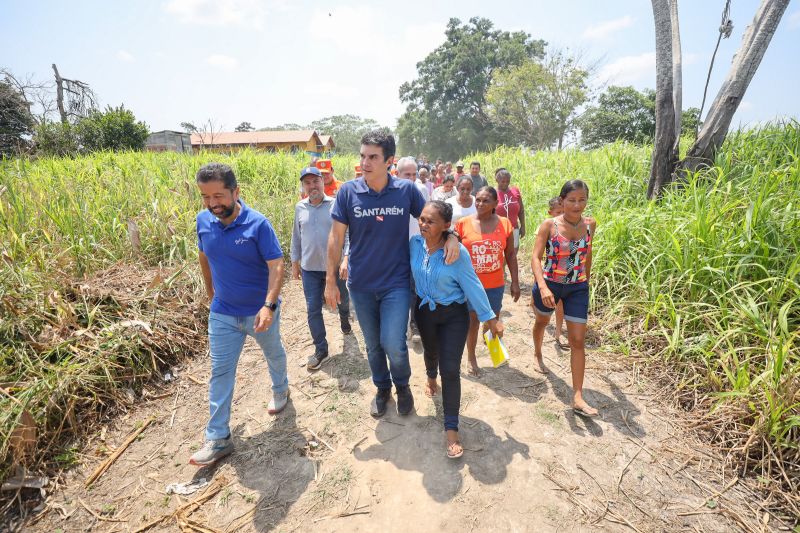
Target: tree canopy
x: 115, y: 129
x: 623, y: 113
x: 536, y: 103
x: 16, y: 121
x: 446, y: 104
x: 346, y: 130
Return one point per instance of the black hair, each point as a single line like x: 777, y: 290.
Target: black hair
x: 463, y: 178
x: 449, y: 177
x: 475, y: 163
x: 488, y: 188
x: 502, y: 173
x: 217, y: 172
x: 553, y: 202
x: 382, y: 138
x: 573, y: 185
x: 491, y: 190
x: 445, y: 210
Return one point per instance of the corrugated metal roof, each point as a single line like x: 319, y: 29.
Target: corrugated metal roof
x: 253, y: 137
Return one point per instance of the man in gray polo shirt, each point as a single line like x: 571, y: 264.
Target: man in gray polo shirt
x: 312, y: 224
x: 478, y: 180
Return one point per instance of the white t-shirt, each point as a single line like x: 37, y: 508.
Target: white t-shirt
x: 461, y: 212
x: 423, y: 190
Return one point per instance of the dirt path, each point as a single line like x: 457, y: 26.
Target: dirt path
x: 529, y: 465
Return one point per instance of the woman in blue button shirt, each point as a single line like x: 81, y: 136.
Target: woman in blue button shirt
x: 441, y: 311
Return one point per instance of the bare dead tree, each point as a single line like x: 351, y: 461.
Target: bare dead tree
x: 74, y: 98
x: 677, y: 75
x: 755, y: 42
x: 664, y: 158
x: 38, y: 95
x: 207, y: 131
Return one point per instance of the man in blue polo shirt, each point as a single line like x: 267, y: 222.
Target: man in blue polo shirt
x: 376, y: 210
x: 242, y: 265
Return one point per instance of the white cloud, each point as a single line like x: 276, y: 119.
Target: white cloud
x: 605, y: 29
x: 794, y: 20
x: 630, y: 69
x: 124, y: 55
x: 222, y: 61
x: 250, y: 13
x: 348, y: 33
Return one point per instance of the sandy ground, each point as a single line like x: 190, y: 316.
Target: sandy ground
x: 325, y: 465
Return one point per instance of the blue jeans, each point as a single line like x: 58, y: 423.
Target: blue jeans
x: 314, y: 290
x: 226, y: 336
x: 383, y: 317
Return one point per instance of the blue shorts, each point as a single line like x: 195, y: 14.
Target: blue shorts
x: 575, y: 297
x: 495, y: 297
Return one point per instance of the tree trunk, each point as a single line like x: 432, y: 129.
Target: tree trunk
x: 60, y: 95
x: 664, y: 159
x: 677, y: 75
x: 754, y: 44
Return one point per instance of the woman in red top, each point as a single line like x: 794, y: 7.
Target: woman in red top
x: 489, y: 239
x: 509, y: 204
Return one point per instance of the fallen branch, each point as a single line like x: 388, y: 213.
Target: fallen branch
x: 621, y: 474
x: 192, y: 378
x: 320, y: 439
x: 354, y: 446
x: 181, y: 513
x: 100, y: 470
x: 340, y: 515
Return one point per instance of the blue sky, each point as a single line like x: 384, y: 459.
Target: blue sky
x: 277, y: 61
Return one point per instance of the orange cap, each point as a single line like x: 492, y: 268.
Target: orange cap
x: 324, y: 165
x: 358, y: 169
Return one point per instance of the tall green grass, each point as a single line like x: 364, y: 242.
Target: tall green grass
x: 709, y: 275
x: 65, y: 219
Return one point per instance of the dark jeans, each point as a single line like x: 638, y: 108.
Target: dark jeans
x: 383, y: 317
x: 444, y: 332
x: 314, y: 290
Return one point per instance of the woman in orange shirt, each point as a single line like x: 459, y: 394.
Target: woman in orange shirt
x: 489, y: 239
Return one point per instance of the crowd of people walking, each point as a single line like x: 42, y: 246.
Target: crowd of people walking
x: 416, y: 249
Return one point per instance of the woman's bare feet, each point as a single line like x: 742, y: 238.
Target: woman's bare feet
x: 539, y: 365
x: 431, y: 388
x: 472, y: 368
x: 454, y: 448
x: 580, y: 407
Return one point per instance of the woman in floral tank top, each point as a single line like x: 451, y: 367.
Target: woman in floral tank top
x: 565, y: 242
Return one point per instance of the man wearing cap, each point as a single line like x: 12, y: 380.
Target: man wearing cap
x: 478, y: 180
x: 332, y: 185
x: 312, y: 224
x: 459, y: 171
x: 376, y: 210
x: 242, y: 266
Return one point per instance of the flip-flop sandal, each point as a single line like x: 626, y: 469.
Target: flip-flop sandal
x: 450, y: 454
x: 562, y: 345
x: 428, y: 392
x: 582, y: 412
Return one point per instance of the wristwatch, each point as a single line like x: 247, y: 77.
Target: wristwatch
x: 271, y: 306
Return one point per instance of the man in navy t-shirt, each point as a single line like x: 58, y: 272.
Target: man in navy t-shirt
x: 376, y: 210
x: 242, y: 265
